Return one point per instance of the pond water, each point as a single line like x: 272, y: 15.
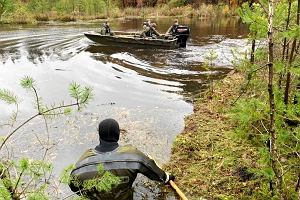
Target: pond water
x: 149, y: 91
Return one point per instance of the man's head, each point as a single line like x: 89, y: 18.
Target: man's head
x: 153, y: 25
x: 148, y: 22
x: 106, y: 23
x: 176, y: 22
x: 109, y: 130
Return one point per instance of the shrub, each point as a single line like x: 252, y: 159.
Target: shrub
x: 176, y: 3
x: 21, y: 15
x: 41, y: 17
x: 67, y: 18
x: 206, y: 11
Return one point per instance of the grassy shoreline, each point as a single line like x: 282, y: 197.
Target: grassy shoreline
x: 201, y: 12
x: 207, y: 159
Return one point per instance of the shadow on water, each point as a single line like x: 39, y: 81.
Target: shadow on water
x: 145, y: 89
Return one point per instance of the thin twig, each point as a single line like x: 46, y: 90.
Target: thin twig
x: 17, y: 183
x: 37, y: 99
x: 245, y: 87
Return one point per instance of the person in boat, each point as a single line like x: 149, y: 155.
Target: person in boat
x: 105, y: 30
x: 149, y: 30
x: 146, y: 29
x: 154, y: 32
x: 172, y: 29
x: 124, y: 162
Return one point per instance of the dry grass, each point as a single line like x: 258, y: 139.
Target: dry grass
x: 207, y: 160
x: 204, y: 11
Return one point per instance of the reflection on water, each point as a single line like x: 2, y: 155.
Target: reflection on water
x: 145, y: 89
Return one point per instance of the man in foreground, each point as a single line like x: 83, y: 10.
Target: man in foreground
x: 124, y: 162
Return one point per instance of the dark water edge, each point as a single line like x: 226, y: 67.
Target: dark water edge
x: 146, y: 90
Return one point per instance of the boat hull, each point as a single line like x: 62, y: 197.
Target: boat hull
x: 121, y: 40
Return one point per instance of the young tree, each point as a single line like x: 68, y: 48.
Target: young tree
x: 270, y: 120
x: 25, y: 177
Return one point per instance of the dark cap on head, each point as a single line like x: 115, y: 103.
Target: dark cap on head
x: 109, y: 130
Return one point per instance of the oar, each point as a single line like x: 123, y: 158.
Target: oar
x: 174, y: 186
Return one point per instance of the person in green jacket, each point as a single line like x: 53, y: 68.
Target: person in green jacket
x: 105, y: 30
x: 124, y: 162
x: 149, y: 30
x: 173, y: 27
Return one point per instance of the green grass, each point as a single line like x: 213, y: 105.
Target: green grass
x: 207, y: 159
x: 23, y: 15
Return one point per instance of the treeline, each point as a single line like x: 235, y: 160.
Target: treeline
x: 24, y: 11
x: 42, y: 10
x: 139, y: 3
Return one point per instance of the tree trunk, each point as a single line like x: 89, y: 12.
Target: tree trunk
x: 272, y: 131
x: 297, y: 188
x: 291, y: 59
x: 285, y: 43
x: 252, y: 58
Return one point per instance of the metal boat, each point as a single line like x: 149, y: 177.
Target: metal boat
x: 134, y: 38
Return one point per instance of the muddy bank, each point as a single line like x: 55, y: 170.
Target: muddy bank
x: 207, y: 160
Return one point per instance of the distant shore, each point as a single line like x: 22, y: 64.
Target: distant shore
x: 203, y: 11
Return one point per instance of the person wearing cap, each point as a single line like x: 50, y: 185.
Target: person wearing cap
x: 105, y: 30
x: 154, y: 32
x: 172, y: 29
x: 149, y: 30
x: 122, y: 161
x: 146, y: 29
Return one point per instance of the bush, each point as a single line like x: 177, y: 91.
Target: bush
x: 66, y: 18
x: 21, y: 15
x: 206, y: 11
x: 41, y: 17
x: 130, y: 11
x: 115, y: 12
x: 176, y: 3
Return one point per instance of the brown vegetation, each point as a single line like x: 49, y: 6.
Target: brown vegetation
x: 208, y: 160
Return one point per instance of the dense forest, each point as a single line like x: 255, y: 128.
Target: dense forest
x: 24, y: 11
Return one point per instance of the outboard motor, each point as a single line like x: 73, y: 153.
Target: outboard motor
x: 182, y: 33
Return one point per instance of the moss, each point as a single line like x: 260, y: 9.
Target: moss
x: 207, y: 159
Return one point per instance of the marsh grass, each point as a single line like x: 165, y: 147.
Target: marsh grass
x: 23, y: 16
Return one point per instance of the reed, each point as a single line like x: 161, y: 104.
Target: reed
x: 24, y: 14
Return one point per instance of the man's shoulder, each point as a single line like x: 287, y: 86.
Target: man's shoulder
x: 86, y: 154
x: 130, y: 149
x: 127, y: 147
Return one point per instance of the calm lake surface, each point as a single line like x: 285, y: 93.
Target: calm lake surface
x: 147, y: 90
